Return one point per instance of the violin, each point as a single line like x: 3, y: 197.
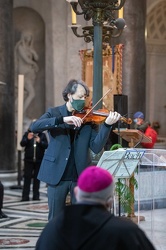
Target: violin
x: 97, y: 116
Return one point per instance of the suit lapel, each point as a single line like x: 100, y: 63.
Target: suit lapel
x: 63, y: 112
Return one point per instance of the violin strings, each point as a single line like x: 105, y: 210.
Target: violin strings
x: 96, y: 104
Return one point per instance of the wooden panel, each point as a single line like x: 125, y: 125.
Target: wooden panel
x: 133, y: 135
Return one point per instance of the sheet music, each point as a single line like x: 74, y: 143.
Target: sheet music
x: 110, y: 160
x: 121, y: 163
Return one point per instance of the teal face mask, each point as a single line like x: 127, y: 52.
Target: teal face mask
x: 135, y: 120
x: 78, y: 104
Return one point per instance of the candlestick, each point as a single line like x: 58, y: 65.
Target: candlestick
x: 20, y: 110
x: 113, y: 60
x: 73, y: 16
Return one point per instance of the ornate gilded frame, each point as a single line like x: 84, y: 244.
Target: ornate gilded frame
x: 112, y: 72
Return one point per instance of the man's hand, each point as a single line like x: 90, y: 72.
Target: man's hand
x: 112, y: 118
x: 73, y: 120
x: 37, y: 138
x: 30, y: 135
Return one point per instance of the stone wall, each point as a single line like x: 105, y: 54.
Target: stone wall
x: 156, y: 61
x: 61, y: 46
x: 62, y: 61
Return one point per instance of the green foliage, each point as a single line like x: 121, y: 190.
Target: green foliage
x: 124, y: 193
x: 115, y: 146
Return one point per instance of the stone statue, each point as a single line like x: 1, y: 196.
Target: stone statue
x: 25, y: 64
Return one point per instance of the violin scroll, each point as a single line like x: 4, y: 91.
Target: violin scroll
x: 126, y: 120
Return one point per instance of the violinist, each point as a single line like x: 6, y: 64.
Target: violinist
x: 71, y: 137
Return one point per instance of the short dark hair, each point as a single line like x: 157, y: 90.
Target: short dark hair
x: 72, y: 87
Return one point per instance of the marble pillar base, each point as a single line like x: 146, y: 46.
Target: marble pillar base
x: 150, y: 204
x: 9, y: 179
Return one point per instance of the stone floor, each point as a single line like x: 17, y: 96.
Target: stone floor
x: 155, y: 227
x: 26, y: 220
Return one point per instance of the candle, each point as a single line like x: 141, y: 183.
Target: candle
x: 73, y: 16
x: 75, y: 1
x: 120, y: 12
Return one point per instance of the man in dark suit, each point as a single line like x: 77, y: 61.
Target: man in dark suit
x: 34, y: 147
x: 70, y: 140
x: 88, y: 224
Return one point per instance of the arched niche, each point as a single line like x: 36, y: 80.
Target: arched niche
x: 28, y: 20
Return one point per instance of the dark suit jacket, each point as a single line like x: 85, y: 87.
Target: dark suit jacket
x: 88, y: 136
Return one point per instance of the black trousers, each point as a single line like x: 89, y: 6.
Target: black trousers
x: 1, y: 195
x: 31, y: 170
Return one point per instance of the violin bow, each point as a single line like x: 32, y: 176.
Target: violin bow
x: 96, y: 104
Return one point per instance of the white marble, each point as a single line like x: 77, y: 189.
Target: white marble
x: 18, y: 227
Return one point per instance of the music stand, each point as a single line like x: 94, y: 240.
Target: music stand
x: 133, y: 136
x: 121, y: 163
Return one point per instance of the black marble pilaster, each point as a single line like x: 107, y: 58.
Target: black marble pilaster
x: 7, y: 128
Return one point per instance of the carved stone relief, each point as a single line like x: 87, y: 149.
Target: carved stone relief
x: 26, y: 64
x: 29, y: 44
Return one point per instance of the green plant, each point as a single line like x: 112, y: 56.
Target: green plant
x: 125, y: 194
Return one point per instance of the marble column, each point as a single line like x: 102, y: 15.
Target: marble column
x: 134, y: 55
x: 7, y: 130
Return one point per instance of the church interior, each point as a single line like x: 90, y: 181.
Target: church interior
x: 122, y: 65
